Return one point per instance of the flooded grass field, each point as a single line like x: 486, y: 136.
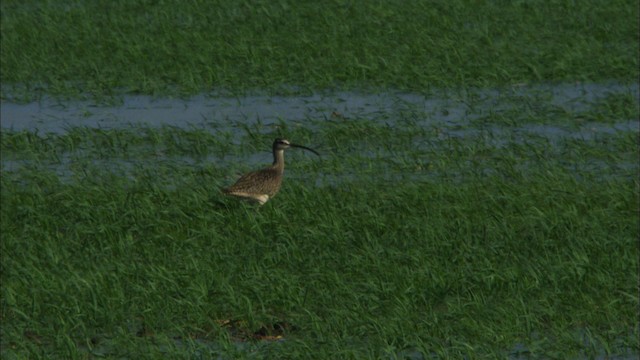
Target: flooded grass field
x: 476, y: 196
x: 429, y: 227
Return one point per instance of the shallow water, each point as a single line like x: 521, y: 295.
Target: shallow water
x: 441, y: 107
x: 446, y: 114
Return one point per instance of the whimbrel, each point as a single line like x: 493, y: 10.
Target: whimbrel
x: 260, y: 186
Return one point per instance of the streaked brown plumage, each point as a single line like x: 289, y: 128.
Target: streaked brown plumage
x: 260, y: 186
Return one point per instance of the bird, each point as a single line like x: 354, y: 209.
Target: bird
x: 262, y: 185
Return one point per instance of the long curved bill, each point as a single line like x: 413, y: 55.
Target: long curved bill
x: 304, y: 147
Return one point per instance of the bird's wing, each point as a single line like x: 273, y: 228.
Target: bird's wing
x: 265, y: 181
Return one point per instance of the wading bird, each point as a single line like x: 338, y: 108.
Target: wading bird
x: 260, y: 186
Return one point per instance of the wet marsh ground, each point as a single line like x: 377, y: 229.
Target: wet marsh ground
x: 411, y: 235
x: 460, y: 209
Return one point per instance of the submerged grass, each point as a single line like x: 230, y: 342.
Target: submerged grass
x: 404, y: 246
x: 98, y: 48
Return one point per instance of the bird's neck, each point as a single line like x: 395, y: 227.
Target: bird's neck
x: 278, y: 159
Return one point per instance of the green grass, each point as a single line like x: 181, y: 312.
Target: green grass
x: 118, y: 243
x: 171, y: 47
x: 410, y: 235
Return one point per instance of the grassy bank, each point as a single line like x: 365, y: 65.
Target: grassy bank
x: 173, y: 47
x: 117, y: 243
